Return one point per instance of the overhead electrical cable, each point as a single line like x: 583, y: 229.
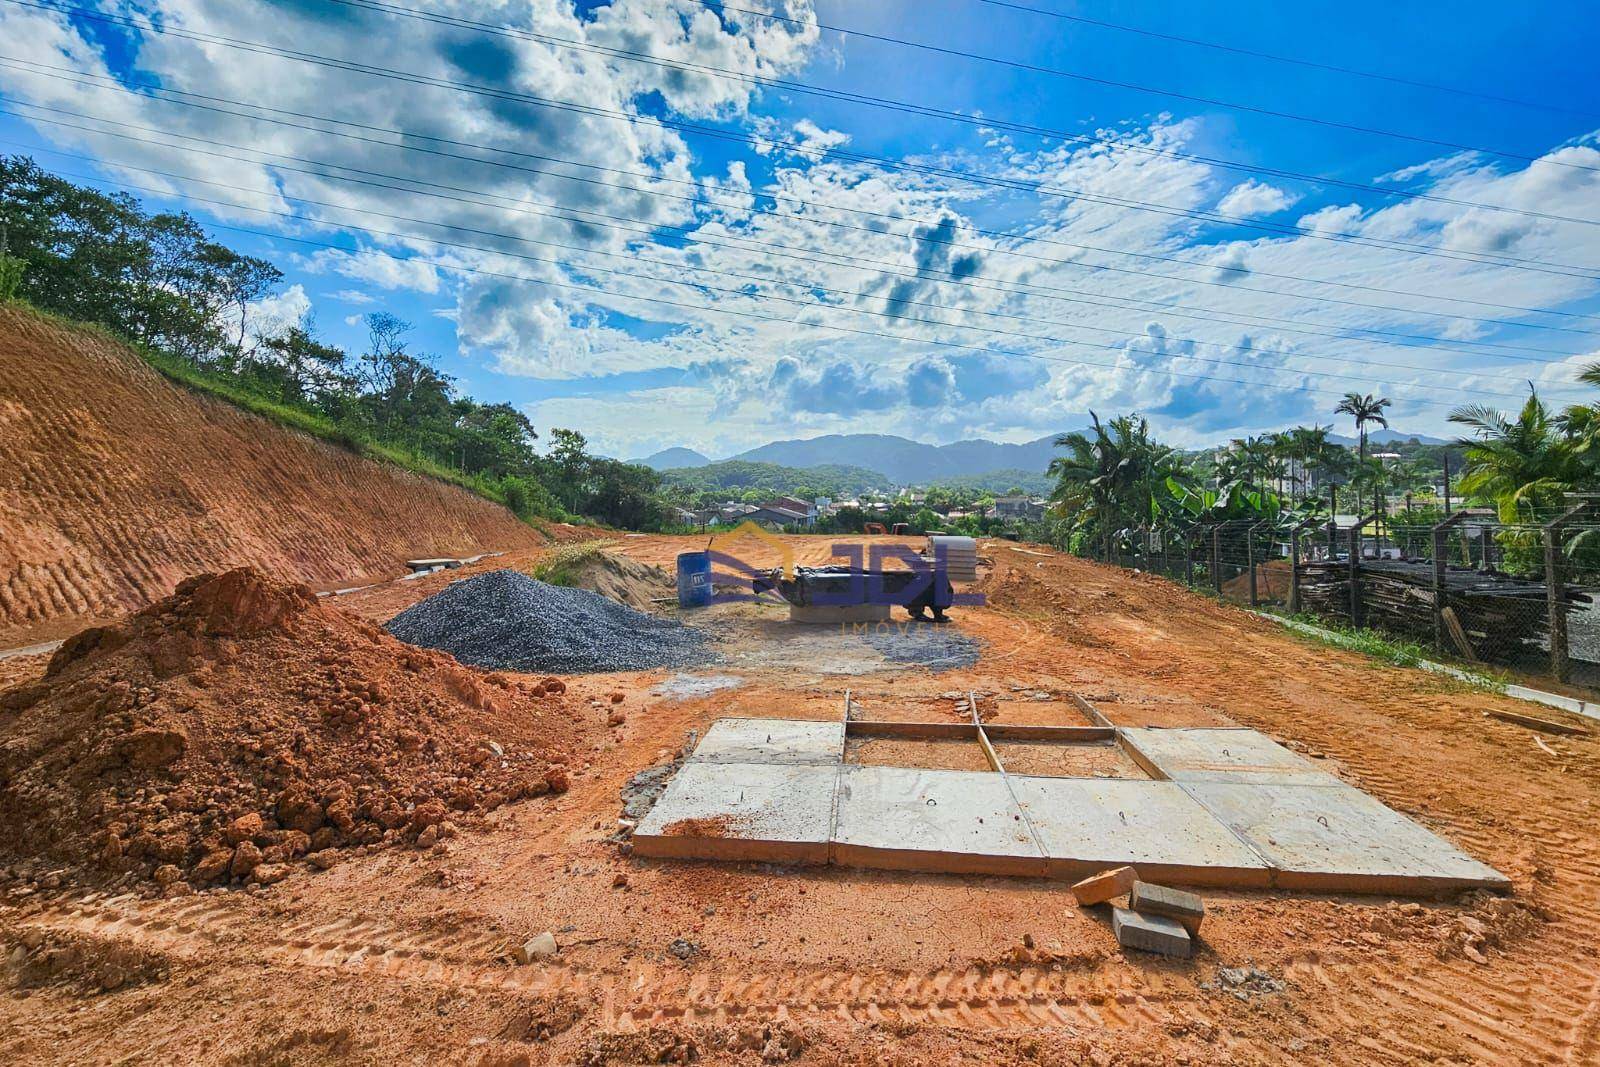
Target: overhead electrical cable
x: 1036, y: 188
x: 926, y: 235
x: 787, y: 321
x: 1311, y: 64
x: 743, y: 293
x: 1058, y: 72
x: 649, y: 230
x: 986, y: 120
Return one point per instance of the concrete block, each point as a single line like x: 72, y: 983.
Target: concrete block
x: 1175, y: 904
x: 1341, y: 840
x: 1086, y: 825
x: 791, y: 742
x: 1219, y: 755
x: 1099, y: 888
x: 835, y: 614
x: 1151, y: 933
x: 960, y: 822
x: 742, y: 811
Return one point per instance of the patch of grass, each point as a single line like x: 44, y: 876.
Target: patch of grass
x: 561, y: 566
x: 1388, y: 649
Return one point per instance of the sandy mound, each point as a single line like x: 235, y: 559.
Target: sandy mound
x: 229, y: 730
x: 627, y: 581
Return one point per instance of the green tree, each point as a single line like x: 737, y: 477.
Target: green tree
x: 1523, y: 465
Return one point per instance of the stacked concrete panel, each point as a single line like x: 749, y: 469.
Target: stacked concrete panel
x: 1228, y: 807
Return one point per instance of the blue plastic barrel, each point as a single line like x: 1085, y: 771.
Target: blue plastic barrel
x: 694, y: 579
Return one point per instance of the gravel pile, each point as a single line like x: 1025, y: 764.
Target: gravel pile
x: 505, y: 620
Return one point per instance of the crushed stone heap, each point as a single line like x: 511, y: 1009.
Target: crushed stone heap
x: 505, y: 620
x: 231, y: 730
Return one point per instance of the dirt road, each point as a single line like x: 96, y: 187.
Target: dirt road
x: 401, y: 956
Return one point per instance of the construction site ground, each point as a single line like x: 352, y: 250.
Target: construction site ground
x: 407, y: 956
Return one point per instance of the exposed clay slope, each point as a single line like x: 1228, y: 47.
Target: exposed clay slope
x: 116, y: 484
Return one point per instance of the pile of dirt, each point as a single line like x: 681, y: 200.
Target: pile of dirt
x: 627, y: 581
x: 1272, y: 583
x: 238, y: 726
x: 505, y: 620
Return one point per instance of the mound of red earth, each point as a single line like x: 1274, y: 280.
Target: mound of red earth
x: 240, y: 726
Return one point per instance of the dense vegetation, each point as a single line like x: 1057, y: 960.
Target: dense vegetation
x: 185, y: 302
x: 1114, y: 480
x: 736, y: 479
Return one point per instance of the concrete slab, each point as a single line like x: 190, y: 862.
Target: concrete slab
x: 1220, y: 755
x: 1340, y: 840
x: 960, y: 822
x: 1088, y: 824
x: 790, y: 742
x: 834, y: 614
x: 742, y: 811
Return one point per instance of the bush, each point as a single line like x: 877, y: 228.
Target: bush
x: 10, y: 277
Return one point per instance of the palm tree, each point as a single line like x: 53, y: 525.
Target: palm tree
x: 1111, y: 477
x: 1523, y: 464
x: 1364, y: 409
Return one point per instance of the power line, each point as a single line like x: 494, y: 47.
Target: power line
x: 1482, y: 259
x: 909, y: 107
x: 408, y: 145
x: 986, y: 349
x: 522, y: 206
x: 811, y: 286
x: 1014, y: 64
x: 1335, y: 68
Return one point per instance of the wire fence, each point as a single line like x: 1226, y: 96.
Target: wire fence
x: 1523, y: 595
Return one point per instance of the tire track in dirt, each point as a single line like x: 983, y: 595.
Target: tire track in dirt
x: 643, y: 994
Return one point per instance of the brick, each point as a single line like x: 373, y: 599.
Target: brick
x: 1101, y: 887
x: 1185, y: 908
x: 1151, y: 933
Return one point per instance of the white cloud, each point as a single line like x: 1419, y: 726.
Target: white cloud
x: 1252, y: 199
x: 1109, y: 299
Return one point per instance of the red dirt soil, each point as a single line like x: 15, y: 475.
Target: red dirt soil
x: 403, y: 955
x: 117, y: 484
x: 228, y: 730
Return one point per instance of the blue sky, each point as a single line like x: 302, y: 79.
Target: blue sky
x: 894, y: 296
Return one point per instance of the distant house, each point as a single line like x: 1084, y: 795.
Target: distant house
x: 774, y: 516
x: 1017, y: 507
x: 806, y: 509
x: 699, y: 517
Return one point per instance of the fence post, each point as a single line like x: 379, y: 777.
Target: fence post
x: 1250, y: 558
x: 1216, y: 557
x: 1188, y: 558
x: 1355, y: 569
x: 1555, y: 592
x: 1294, y: 563
x: 1439, y: 595
x: 1166, y: 554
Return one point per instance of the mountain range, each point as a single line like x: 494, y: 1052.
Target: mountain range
x: 901, y: 460
x: 907, y: 462
x: 1387, y: 437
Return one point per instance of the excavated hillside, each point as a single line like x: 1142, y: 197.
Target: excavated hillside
x: 118, y: 484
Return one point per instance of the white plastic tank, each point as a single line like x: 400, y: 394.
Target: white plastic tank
x: 960, y: 556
